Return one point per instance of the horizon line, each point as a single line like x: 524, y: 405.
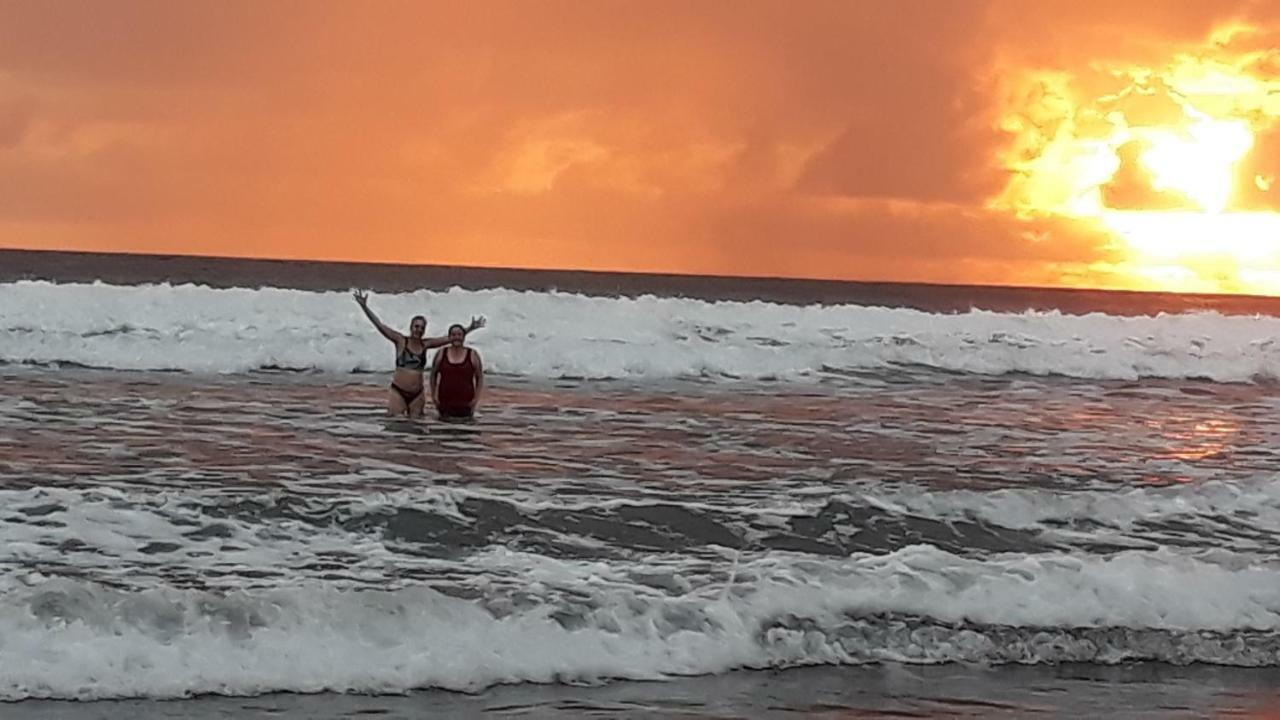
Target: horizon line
x: 635, y: 273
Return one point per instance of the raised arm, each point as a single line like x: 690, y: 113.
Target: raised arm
x: 362, y: 299
x: 442, y: 340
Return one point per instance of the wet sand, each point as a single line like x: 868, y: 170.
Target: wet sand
x: 1157, y: 692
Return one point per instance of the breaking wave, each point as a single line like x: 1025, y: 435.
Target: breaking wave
x: 582, y: 622
x: 558, y: 335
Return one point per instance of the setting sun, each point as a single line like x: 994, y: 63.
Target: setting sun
x: 1198, y: 162
x: 1156, y: 155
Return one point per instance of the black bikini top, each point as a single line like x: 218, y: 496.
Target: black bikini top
x: 410, y: 359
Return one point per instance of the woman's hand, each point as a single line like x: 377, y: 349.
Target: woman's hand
x: 476, y: 323
x: 361, y: 296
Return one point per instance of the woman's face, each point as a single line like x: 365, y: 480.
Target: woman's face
x: 417, y: 327
x: 456, y: 336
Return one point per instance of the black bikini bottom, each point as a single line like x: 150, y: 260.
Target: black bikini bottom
x: 408, y: 397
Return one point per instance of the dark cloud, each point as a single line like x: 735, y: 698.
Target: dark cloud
x: 1131, y: 188
x: 919, y: 123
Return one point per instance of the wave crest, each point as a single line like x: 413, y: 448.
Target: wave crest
x: 581, y: 622
x: 558, y: 335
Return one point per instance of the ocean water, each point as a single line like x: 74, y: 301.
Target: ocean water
x: 671, y: 505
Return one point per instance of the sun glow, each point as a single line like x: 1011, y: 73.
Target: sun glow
x: 1162, y: 158
x: 1198, y: 162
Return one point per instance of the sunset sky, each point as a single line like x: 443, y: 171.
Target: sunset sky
x: 1105, y: 143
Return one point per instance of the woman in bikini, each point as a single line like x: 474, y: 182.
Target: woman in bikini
x: 457, y: 378
x: 406, y: 394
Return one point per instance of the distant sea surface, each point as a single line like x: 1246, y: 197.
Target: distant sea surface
x: 120, y: 269
x: 683, y: 497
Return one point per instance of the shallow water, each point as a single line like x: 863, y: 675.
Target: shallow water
x: 168, y: 534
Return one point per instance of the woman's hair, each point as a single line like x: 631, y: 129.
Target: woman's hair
x: 457, y: 326
x: 416, y: 318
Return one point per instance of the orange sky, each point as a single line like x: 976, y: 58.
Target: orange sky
x: 933, y: 140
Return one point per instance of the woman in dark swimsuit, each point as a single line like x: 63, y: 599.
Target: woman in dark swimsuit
x: 406, y: 394
x: 457, y: 377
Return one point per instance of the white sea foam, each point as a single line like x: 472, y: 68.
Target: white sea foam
x: 1111, y: 515
x: 140, y: 537
x: 552, y: 335
x: 71, y: 639
x: 1242, y: 514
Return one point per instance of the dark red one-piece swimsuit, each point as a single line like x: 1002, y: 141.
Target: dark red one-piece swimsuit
x: 457, y: 386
